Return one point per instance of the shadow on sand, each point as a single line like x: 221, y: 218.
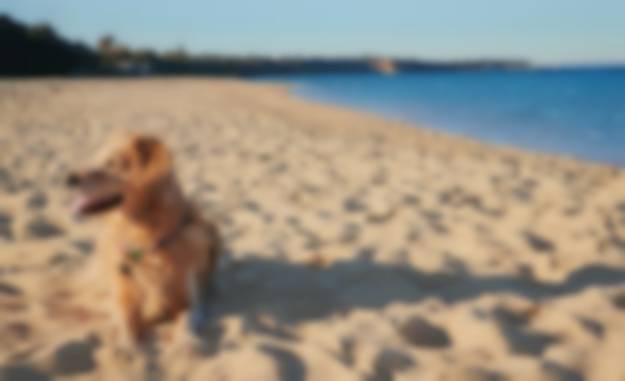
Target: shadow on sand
x: 255, y: 288
x: 292, y: 293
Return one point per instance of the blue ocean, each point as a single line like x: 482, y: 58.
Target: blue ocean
x: 572, y: 112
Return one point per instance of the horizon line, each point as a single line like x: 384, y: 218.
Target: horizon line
x: 531, y: 63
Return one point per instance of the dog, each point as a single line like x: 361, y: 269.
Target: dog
x: 158, y: 251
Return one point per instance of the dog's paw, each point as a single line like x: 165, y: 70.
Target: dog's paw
x: 184, y: 341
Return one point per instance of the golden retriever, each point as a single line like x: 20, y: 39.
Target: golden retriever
x: 160, y: 254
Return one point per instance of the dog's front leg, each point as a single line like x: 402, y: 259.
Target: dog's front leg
x: 129, y: 305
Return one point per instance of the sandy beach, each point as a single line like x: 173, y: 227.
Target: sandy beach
x: 356, y: 248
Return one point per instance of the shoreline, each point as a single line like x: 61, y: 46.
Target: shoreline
x: 355, y: 247
x: 411, y: 125
x: 553, y: 126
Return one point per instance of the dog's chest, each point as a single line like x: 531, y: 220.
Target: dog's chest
x: 136, y: 257
x: 147, y: 267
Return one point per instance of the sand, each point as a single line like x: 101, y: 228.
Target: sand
x: 356, y: 247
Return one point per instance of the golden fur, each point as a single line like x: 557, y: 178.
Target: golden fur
x: 160, y: 254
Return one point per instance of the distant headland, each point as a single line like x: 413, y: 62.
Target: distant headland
x: 38, y: 50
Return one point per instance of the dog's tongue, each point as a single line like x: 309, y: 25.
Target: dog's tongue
x: 80, y: 204
x: 86, y: 203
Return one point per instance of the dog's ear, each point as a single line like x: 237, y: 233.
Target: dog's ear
x: 147, y: 148
x: 153, y: 157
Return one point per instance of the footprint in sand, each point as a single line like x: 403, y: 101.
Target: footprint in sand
x: 42, y: 228
x: 75, y: 357
x: 618, y: 300
x: 389, y: 361
x: 59, y: 258
x: 18, y: 330
x: 5, y: 176
x: 539, y: 243
x: 592, y: 326
x: 351, y: 232
x: 411, y: 199
x: 8, y: 289
x: 6, y: 229
x: 522, y: 340
x: 84, y: 246
x: 421, y: 333
x: 347, y: 353
x: 290, y: 367
x: 557, y: 372
x: 353, y: 205
x: 37, y: 200
x: 22, y: 373
x: 525, y: 190
x: 435, y: 221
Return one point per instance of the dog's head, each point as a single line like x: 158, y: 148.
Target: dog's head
x: 130, y: 169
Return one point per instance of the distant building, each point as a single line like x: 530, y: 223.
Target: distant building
x: 384, y: 66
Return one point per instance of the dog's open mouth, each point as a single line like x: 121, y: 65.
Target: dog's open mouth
x: 92, y: 203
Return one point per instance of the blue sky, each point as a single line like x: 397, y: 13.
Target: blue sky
x: 545, y: 31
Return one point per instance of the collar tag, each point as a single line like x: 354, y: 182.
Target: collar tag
x: 135, y: 254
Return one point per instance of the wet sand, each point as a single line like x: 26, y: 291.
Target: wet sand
x: 356, y: 247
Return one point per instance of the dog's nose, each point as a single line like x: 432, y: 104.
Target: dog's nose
x: 73, y: 180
